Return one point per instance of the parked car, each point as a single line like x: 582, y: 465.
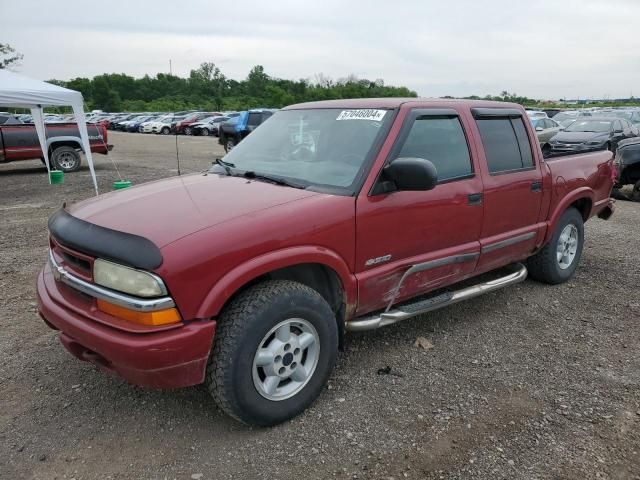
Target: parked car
x: 20, y: 142
x: 333, y: 216
x: 593, y: 133
x: 154, y: 126
x: 163, y: 124
x: 536, y: 114
x: 208, y: 126
x: 545, y: 129
x: 552, y: 112
x: 632, y: 115
x: 627, y: 162
x: 116, y: 119
x: 234, y: 130
x: 184, y: 126
x: 566, y: 118
x: 122, y: 124
x: 9, y: 119
x: 134, y: 125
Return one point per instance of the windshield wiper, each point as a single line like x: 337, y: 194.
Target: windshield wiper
x: 226, y: 165
x: 275, y: 180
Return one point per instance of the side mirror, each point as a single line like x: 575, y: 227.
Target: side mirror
x: 539, y: 129
x: 412, y: 174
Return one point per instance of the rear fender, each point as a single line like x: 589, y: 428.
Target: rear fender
x: 54, y: 142
x: 565, y: 203
x: 231, y: 282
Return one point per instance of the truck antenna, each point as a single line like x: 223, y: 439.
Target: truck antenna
x: 177, y: 154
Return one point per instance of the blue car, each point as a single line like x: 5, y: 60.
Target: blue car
x: 235, y: 129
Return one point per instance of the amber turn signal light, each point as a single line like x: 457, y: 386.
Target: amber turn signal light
x: 159, y: 317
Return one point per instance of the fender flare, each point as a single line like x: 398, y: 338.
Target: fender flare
x: 53, y: 140
x: 578, y: 194
x: 232, y: 281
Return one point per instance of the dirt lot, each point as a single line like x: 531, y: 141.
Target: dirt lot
x: 530, y: 382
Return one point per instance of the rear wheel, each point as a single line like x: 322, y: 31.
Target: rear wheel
x: 66, y: 159
x: 559, y: 258
x: 205, y: 132
x: 276, y: 345
x: 188, y: 131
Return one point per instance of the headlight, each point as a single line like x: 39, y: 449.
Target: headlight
x: 127, y: 280
x: 594, y: 142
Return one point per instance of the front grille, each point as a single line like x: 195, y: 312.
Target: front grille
x: 76, y: 262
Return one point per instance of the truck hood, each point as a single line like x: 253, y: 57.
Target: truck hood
x: 166, y: 210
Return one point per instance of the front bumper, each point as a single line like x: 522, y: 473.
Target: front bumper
x: 159, y: 359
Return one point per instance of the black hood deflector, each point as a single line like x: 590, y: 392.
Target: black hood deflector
x: 120, y: 247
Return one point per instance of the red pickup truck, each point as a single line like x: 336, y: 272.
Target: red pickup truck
x: 332, y: 216
x: 20, y: 142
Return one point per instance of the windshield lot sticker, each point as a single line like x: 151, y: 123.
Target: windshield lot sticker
x: 368, y: 114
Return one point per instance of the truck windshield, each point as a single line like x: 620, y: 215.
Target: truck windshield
x: 314, y: 147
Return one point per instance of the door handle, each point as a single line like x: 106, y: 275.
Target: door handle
x: 536, y: 186
x: 474, y: 199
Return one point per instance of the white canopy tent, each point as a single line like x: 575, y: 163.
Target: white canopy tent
x: 23, y: 92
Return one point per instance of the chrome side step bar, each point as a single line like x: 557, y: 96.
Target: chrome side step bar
x: 408, y: 310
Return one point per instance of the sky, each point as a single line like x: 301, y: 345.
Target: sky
x: 545, y: 49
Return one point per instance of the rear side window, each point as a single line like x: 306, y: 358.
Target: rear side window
x: 442, y: 141
x: 506, y: 144
x: 254, y: 119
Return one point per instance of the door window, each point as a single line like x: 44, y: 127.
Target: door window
x: 441, y: 141
x: 506, y: 144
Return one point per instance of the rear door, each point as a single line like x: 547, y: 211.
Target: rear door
x: 512, y: 187
x: 408, y: 243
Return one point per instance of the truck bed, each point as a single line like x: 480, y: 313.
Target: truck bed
x: 575, y: 173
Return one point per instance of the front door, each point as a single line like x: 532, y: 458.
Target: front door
x: 408, y: 243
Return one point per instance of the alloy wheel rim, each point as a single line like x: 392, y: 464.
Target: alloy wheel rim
x: 286, y: 359
x: 66, y: 160
x: 567, y: 247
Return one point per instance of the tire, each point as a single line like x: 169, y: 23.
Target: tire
x: 66, y: 159
x: 165, y: 131
x: 229, y: 144
x: 234, y: 376
x: 635, y: 193
x: 188, y: 131
x: 559, y: 258
x: 204, y: 132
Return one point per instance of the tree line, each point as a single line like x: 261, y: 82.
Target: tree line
x: 209, y: 89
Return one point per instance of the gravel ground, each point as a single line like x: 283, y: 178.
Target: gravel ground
x: 529, y: 382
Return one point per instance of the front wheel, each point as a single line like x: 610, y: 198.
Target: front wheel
x: 275, y: 347
x: 559, y: 259
x: 188, y: 131
x: 229, y: 145
x: 165, y: 131
x: 205, y: 132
